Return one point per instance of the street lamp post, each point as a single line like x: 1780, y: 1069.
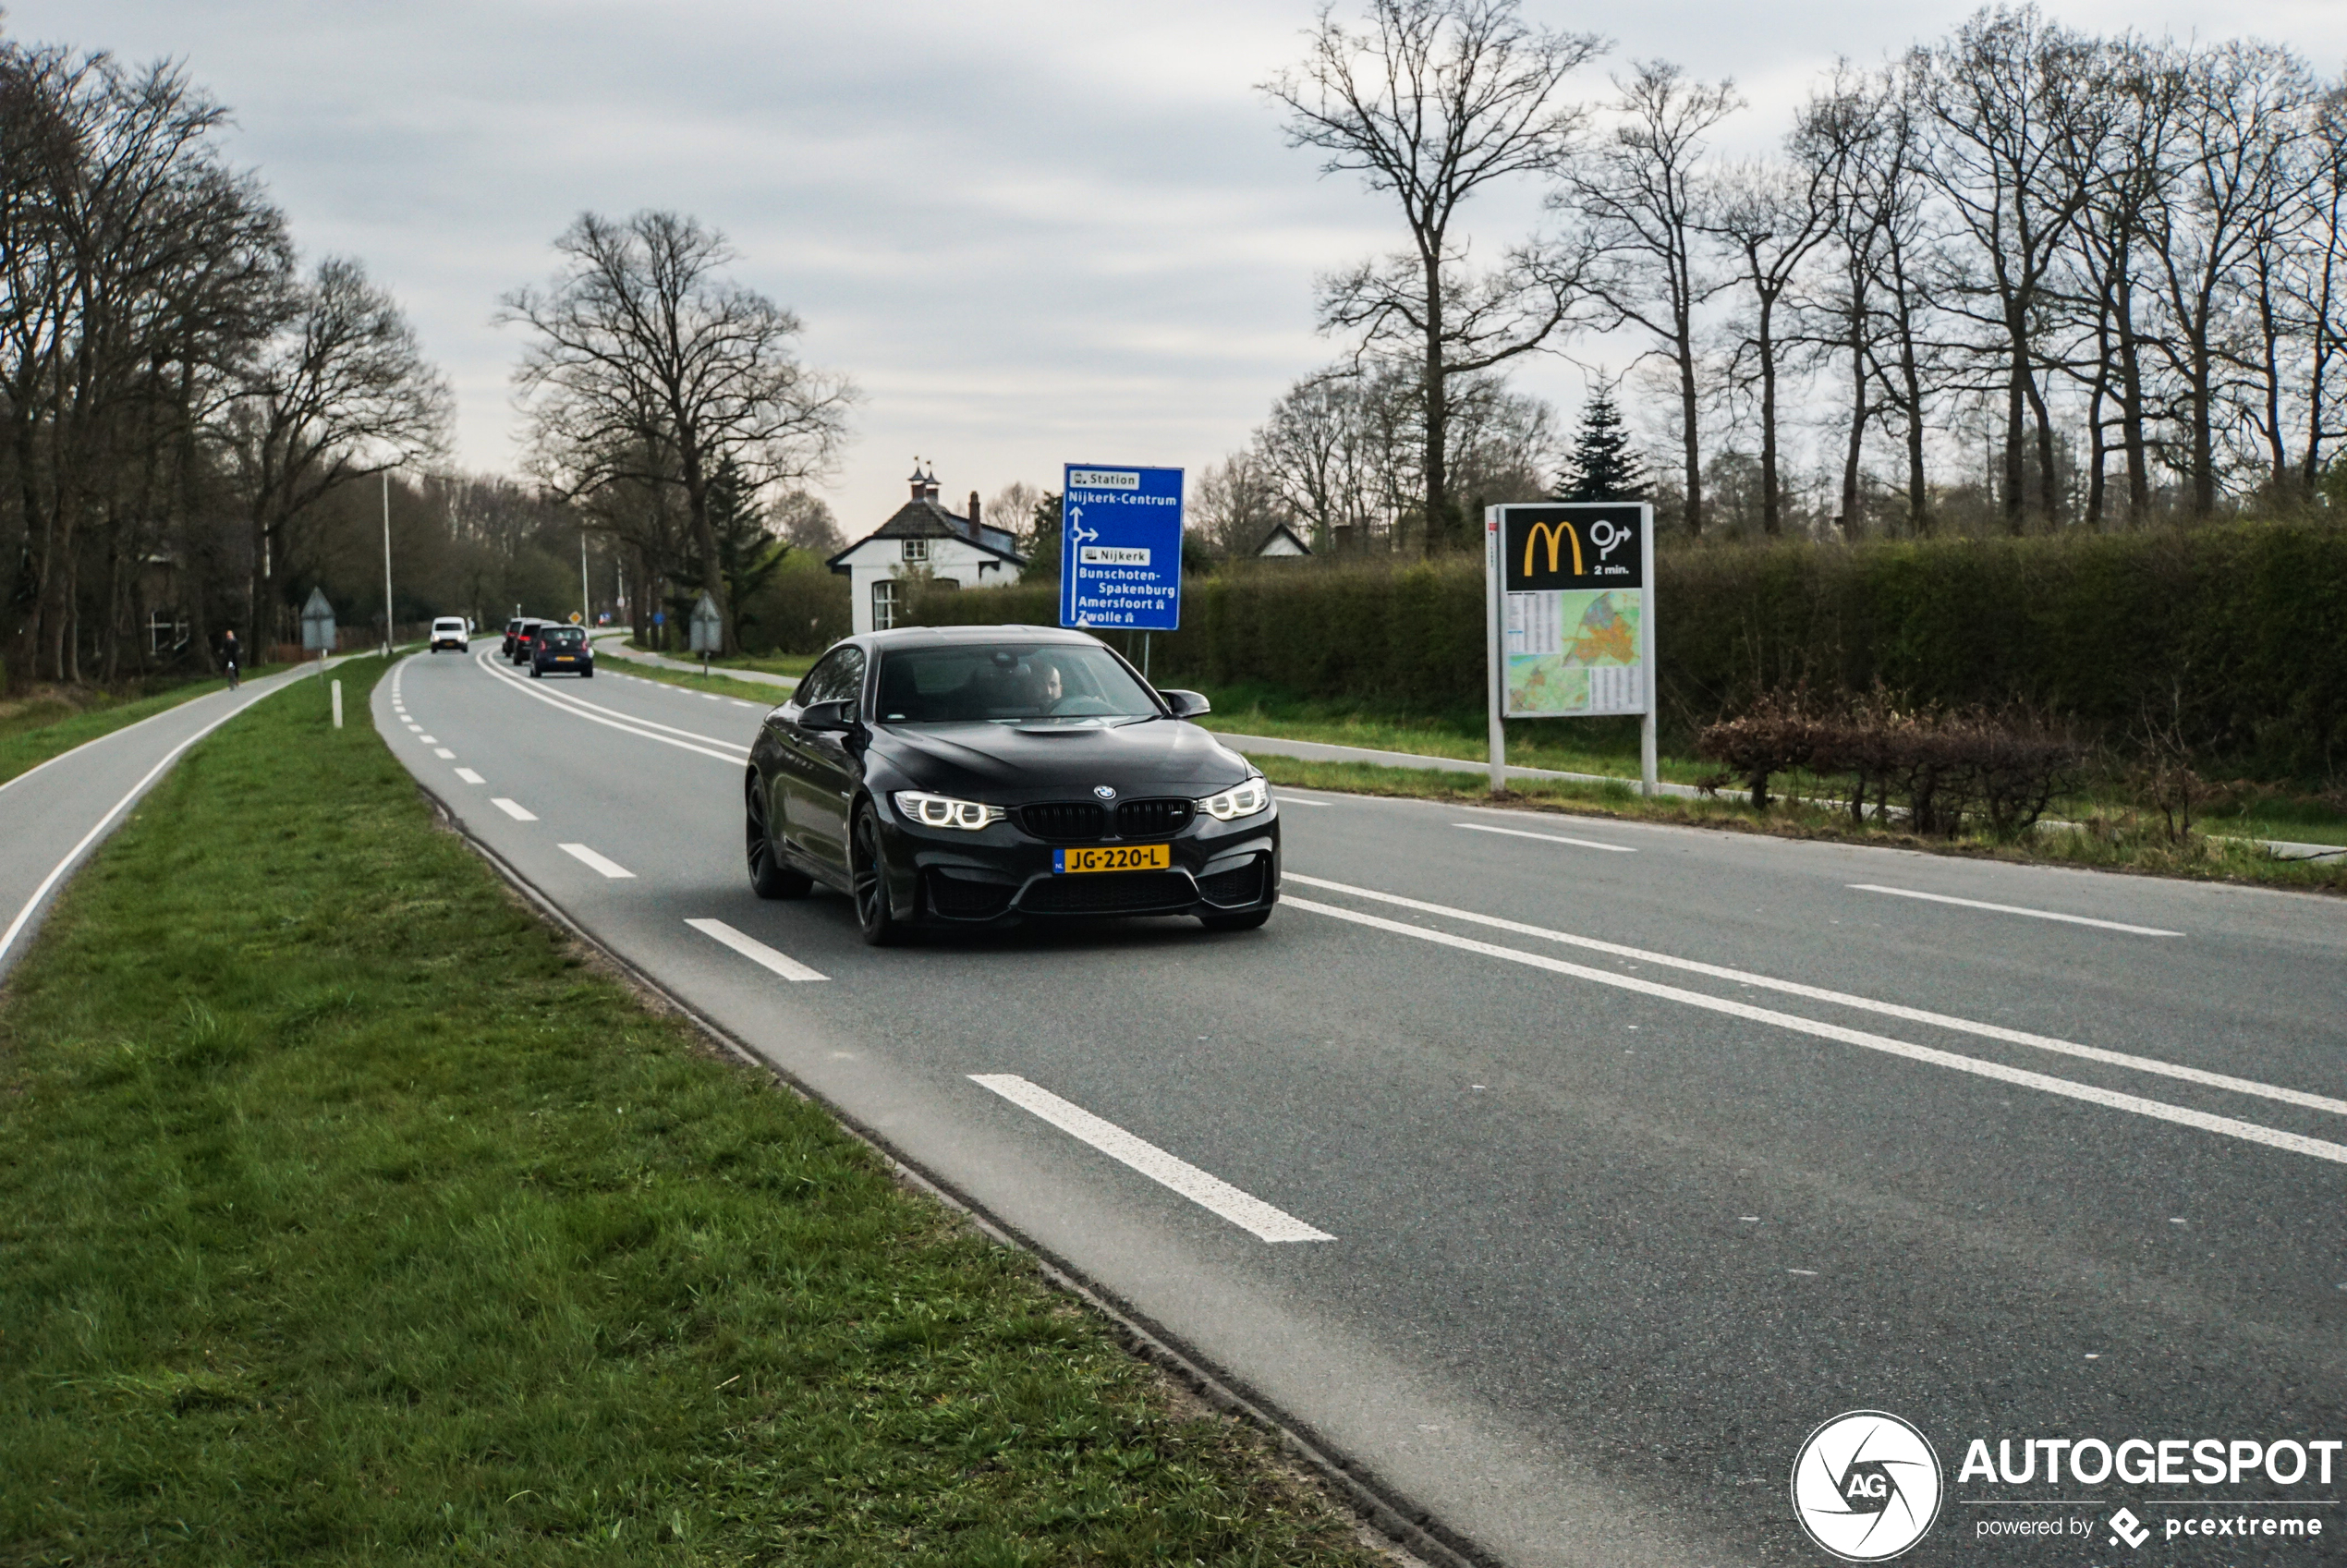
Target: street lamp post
x: 387, y: 626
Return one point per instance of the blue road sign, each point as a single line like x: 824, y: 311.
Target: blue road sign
x: 1121, y: 547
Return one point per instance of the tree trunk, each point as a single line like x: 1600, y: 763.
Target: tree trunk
x: 2131, y: 407
x: 2049, y: 480
x: 1692, y: 435
x: 1855, y: 450
x: 2014, y: 398
x: 2204, y: 435
x: 1772, y: 501
x: 1438, y: 411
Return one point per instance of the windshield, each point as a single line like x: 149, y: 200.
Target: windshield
x: 1008, y: 682
x: 449, y: 626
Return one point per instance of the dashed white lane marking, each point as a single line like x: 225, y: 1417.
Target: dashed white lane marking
x: 587, y: 856
x: 1545, y: 838
x: 415, y: 729
x: 2273, y: 1137
x: 711, y: 696
x: 755, y: 951
x: 1300, y: 800
x: 2014, y: 909
x: 426, y: 740
x: 1843, y: 999
x: 1211, y: 1193
x: 443, y: 754
x: 470, y: 776
x: 515, y: 809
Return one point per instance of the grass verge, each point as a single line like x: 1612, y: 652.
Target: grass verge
x: 748, y: 691
x: 55, y: 720
x: 348, y: 1215
x: 1572, y: 746
x: 2129, y: 843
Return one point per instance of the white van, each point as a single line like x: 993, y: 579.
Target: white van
x: 448, y: 632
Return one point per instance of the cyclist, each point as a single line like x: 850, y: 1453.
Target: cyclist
x: 228, y: 656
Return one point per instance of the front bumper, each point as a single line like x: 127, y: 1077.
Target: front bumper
x: 1001, y: 874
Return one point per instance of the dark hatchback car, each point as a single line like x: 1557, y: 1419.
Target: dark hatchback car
x: 517, y: 634
x: 980, y: 775
x: 557, y: 649
x: 512, y: 630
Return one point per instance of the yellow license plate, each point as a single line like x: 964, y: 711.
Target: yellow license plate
x: 1113, y: 857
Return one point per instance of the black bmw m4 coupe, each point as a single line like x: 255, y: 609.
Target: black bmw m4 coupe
x: 972, y: 777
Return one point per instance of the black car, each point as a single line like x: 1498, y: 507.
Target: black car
x: 979, y: 775
x: 524, y: 632
x: 513, y: 633
x: 556, y: 649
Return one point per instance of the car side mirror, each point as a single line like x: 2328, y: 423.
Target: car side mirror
x: 1186, y: 704
x: 828, y: 718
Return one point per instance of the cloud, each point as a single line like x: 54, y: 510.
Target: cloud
x: 1031, y: 232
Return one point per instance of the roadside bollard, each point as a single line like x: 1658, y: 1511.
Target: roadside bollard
x: 337, y: 704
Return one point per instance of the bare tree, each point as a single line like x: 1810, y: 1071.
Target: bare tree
x: 804, y: 520
x: 1771, y: 217
x: 2242, y: 119
x: 1638, y: 196
x: 1433, y: 101
x: 2014, y: 98
x: 1236, y: 505
x: 647, y: 368
x: 343, y: 395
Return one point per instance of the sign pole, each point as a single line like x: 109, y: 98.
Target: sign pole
x: 1649, y: 783
x: 1494, y: 654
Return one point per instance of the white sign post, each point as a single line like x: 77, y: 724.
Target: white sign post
x: 708, y: 629
x: 1569, y: 618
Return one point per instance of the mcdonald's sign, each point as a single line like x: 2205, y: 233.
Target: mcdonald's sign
x: 1581, y: 546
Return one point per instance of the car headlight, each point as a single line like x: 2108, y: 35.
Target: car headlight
x: 944, y: 811
x: 1243, y: 801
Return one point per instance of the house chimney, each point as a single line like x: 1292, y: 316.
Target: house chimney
x: 973, y: 511
x: 928, y: 486
x: 916, y: 479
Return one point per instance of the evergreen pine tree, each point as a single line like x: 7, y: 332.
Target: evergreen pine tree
x: 1603, y: 465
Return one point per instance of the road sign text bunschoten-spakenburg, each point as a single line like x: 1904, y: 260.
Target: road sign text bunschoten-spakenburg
x: 1121, y: 548
x: 1569, y: 616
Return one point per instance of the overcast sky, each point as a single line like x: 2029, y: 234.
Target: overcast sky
x: 1031, y: 233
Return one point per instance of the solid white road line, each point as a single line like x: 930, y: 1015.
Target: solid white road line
x: 1545, y: 838
x: 1843, y: 999
x: 587, y: 856
x: 2014, y: 910
x: 642, y: 729
x: 511, y: 809
x: 755, y: 951
x: 2273, y: 1137
x: 470, y: 776
x: 443, y: 754
x: 1248, y: 1213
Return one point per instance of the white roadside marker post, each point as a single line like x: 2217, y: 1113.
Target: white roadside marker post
x: 337, y: 686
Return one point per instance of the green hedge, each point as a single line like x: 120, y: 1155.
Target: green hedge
x: 2244, y: 629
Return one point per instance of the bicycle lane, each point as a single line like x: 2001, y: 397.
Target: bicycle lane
x: 52, y: 816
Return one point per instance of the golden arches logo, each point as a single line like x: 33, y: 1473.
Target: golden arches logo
x: 1558, y: 534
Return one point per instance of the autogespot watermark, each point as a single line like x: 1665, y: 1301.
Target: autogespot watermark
x: 1867, y: 1485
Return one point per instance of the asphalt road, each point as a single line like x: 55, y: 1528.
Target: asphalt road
x: 54, y: 815
x: 1634, y: 1153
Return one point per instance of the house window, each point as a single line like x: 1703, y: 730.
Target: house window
x: 884, y: 603
x: 917, y: 550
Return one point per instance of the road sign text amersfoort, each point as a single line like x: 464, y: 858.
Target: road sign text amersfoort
x: 1121, y: 548
x: 1569, y: 618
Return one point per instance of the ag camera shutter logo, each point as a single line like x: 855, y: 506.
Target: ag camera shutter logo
x: 1867, y: 1486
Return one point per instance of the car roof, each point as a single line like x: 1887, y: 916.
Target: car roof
x: 933, y: 636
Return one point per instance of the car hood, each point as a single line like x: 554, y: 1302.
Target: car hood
x: 1011, y: 763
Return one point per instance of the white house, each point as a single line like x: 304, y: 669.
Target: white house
x: 923, y: 537
x: 1281, y: 542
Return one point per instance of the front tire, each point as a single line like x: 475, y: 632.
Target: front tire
x: 867, y: 875
x: 769, y: 878
x: 536, y: 674
x: 1248, y: 921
